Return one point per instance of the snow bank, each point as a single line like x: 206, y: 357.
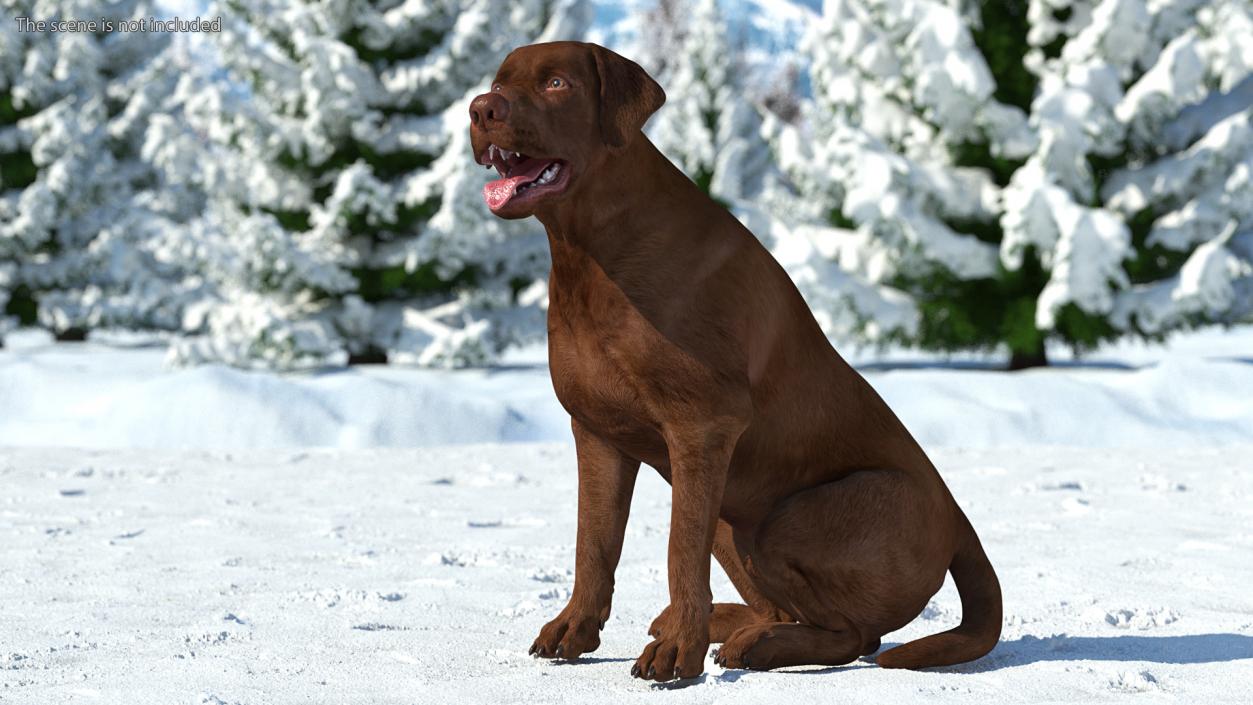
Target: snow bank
x: 1197, y: 392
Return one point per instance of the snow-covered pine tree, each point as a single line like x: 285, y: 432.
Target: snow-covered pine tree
x: 1069, y: 170
x: 77, y: 209
x: 357, y: 229
x: 708, y: 127
x: 658, y: 35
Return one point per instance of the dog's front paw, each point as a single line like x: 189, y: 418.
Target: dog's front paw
x: 679, y: 649
x: 572, y: 634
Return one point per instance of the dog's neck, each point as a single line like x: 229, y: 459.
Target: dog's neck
x: 630, y: 188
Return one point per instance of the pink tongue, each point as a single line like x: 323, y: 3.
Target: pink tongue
x: 497, y: 193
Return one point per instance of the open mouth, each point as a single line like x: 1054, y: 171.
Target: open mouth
x: 524, y: 179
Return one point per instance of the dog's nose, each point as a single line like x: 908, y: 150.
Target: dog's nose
x: 488, y: 108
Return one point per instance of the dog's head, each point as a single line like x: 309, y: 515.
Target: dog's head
x: 556, y: 115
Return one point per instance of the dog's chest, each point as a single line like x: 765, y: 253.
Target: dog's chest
x: 598, y: 346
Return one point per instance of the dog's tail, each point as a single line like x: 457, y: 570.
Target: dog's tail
x: 980, y: 627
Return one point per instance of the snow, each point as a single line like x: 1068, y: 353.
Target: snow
x: 1196, y: 392
x: 402, y: 576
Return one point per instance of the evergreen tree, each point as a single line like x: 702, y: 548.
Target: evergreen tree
x: 707, y: 127
x: 1027, y: 171
x: 351, y: 225
x: 78, y: 212
x: 660, y: 33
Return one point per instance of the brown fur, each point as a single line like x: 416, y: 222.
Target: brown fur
x: 677, y: 341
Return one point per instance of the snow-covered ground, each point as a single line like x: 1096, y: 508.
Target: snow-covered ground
x: 1195, y: 392
x: 238, y: 562
x: 421, y: 576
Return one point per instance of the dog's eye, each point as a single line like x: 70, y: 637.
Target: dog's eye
x: 495, y: 87
x: 556, y: 83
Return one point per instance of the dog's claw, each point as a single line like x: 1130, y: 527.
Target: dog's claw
x: 651, y: 672
x: 635, y: 670
x: 558, y: 651
x: 534, y: 648
x: 675, y: 676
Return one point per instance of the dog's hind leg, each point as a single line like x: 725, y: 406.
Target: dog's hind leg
x: 850, y: 560
x: 779, y: 644
x: 728, y: 617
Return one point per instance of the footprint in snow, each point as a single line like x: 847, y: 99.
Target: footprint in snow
x: 1076, y: 505
x: 555, y: 594
x: 1134, y: 682
x: 1141, y: 618
x: 553, y: 575
x: 378, y: 627
x: 518, y: 523
x: 485, y: 524
x: 1061, y: 486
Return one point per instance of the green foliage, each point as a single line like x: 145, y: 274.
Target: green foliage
x: 962, y: 314
x: 408, y: 218
x: 1001, y: 36
x: 385, y: 165
x: 836, y: 217
x: 1151, y: 263
x: 1082, y: 330
x: 1053, y: 49
x: 988, y: 231
x: 17, y: 170
x: 9, y: 113
x: 395, y: 282
x: 22, y: 305
x: 979, y: 155
x: 1101, y: 167
x: 421, y: 45
x: 292, y: 221
x: 704, y: 179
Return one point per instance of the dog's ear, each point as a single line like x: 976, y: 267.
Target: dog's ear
x: 628, y: 96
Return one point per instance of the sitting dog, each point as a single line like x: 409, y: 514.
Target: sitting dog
x: 676, y: 340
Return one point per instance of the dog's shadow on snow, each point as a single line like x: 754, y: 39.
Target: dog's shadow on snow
x: 1184, y: 649
x: 1190, y: 648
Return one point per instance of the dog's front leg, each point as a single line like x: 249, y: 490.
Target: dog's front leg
x: 699, y: 462
x: 606, y: 481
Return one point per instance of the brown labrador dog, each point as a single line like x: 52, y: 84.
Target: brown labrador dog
x: 676, y: 340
